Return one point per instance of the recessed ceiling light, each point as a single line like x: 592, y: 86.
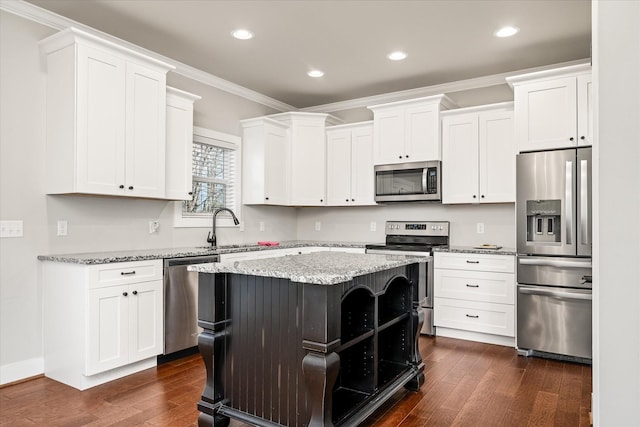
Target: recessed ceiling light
x: 242, y: 34
x: 315, y: 73
x: 398, y: 55
x: 507, y: 31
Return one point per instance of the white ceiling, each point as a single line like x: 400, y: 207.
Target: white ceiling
x: 447, y: 41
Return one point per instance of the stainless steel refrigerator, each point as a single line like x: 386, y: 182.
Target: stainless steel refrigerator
x: 554, y: 238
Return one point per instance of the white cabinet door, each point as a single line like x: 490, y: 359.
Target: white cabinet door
x: 585, y: 109
x: 145, y: 320
x: 497, y: 168
x: 422, y: 133
x: 107, y: 329
x: 179, y: 146
x: 339, y: 168
x: 362, y: 177
x: 276, y: 167
x: 308, y: 161
x: 546, y: 114
x: 101, y: 82
x: 460, y: 159
x: 389, y: 129
x: 145, y: 130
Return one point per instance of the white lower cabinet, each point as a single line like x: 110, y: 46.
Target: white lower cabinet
x: 474, y: 297
x: 101, y: 322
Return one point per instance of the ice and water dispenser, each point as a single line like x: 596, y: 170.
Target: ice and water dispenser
x: 543, y: 221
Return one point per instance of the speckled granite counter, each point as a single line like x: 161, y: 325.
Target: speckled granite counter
x: 476, y: 250
x: 322, y: 268
x: 145, y: 254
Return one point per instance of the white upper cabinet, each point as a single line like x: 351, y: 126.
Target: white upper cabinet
x: 553, y: 108
x: 408, y: 131
x: 284, y: 160
x: 478, y: 155
x: 265, y: 162
x: 105, y: 118
x: 350, y: 165
x: 307, y: 157
x: 179, y: 147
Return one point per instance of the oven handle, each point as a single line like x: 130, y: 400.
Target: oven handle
x: 556, y: 294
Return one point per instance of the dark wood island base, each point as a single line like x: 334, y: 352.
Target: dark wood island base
x: 284, y: 353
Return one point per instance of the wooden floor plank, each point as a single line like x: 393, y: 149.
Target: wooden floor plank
x: 466, y: 384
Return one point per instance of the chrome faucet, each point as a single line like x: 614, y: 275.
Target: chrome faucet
x: 211, y: 238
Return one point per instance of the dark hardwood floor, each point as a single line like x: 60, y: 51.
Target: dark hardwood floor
x: 467, y: 384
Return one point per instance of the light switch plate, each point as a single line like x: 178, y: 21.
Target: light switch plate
x: 62, y: 228
x: 11, y: 229
x: 372, y: 226
x: 480, y: 227
x: 318, y: 225
x: 261, y: 225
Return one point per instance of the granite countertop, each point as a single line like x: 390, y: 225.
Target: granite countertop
x: 146, y: 254
x: 322, y: 268
x: 476, y: 250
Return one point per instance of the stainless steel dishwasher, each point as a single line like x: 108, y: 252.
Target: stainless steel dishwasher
x: 181, y: 328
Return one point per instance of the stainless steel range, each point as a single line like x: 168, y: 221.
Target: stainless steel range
x: 416, y: 238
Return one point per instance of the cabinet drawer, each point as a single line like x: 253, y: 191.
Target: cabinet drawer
x: 475, y: 286
x: 124, y: 272
x: 497, y: 319
x: 476, y: 262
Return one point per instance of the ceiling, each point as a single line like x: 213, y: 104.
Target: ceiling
x: 446, y: 41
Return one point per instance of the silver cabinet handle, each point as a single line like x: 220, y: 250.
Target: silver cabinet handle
x: 568, y: 201
x: 556, y: 294
x: 556, y: 263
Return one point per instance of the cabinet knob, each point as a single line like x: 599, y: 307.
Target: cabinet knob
x: 121, y: 186
x: 482, y: 197
x: 407, y: 156
x: 399, y: 157
x: 190, y: 193
x: 583, y: 137
x: 571, y: 139
x: 135, y: 292
x: 124, y: 294
x: 321, y: 200
x: 346, y: 200
x: 266, y: 198
x: 474, y: 196
x: 131, y: 187
x: 353, y: 200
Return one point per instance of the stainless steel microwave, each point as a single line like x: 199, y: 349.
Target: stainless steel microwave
x: 408, y: 182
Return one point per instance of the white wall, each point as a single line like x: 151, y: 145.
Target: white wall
x: 616, y: 59
x: 353, y: 223
x: 95, y: 224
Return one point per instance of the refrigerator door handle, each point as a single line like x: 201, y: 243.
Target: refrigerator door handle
x: 568, y: 201
x: 556, y: 294
x: 584, y: 203
x: 556, y: 263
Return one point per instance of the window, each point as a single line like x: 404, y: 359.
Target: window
x: 216, y: 184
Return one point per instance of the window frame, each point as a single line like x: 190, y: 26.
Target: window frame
x: 223, y: 220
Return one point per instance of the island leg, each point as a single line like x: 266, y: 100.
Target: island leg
x: 320, y: 373
x: 417, y: 320
x: 211, y: 346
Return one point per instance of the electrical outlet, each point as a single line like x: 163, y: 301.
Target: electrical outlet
x: 153, y: 226
x: 480, y: 227
x: 261, y: 225
x: 11, y: 229
x: 62, y: 227
x: 318, y: 225
x: 372, y: 226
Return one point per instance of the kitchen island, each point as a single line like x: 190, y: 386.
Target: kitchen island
x: 318, y: 339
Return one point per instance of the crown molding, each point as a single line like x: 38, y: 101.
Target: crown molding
x: 475, y: 83
x: 42, y: 16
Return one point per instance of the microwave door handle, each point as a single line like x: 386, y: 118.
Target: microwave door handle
x: 584, y: 203
x: 424, y: 181
x: 568, y: 201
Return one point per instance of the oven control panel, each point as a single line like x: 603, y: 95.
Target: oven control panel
x: 417, y: 228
